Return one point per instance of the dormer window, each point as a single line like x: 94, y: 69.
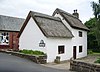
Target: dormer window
x: 4, y: 38
x: 80, y: 34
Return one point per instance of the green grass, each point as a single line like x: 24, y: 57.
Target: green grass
x: 31, y: 52
x: 89, y: 52
x: 92, y: 52
x: 97, y: 61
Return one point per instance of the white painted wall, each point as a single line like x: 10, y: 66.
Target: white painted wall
x: 52, y: 48
x: 31, y: 37
x: 76, y: 40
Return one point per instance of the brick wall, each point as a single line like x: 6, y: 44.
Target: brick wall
x: 13, y: 42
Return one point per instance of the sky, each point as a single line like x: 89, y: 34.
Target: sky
x: 21, y: 8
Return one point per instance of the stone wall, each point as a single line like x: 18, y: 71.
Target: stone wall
x: 79, y: 66
x: 41, y: 59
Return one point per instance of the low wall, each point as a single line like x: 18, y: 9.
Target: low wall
x: 79, y: 66
x: 41, y: 59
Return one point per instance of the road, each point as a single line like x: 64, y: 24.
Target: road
x: 10, y: 63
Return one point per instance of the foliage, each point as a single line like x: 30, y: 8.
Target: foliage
x: 91, y: 23
x: 92, y: 42
x: 97, y: 61
x: 89, y: 52
x: 32, y: 52
x: 96, y: 10
x: 96, y: 50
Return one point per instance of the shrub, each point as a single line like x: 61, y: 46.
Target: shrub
x: 97, y: 50
x: 32, y: 52
x: 89, y: 52
x: 97, y: 61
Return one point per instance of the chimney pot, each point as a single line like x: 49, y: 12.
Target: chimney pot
x: 76, y: 10
x: 76, y: 14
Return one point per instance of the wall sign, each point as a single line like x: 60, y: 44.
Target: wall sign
x: 41, y: 44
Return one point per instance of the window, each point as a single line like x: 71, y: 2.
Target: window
x: 80, y: 49
x: 4, y: 38
x: 61, y: 49
x: 80, y: 34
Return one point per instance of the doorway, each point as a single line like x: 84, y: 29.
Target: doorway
x: 74, y: 52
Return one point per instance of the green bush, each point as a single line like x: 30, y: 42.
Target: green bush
x: 97, y: 50
x: 89, y: 52
x: 32, y: 52
x: 97, y: 61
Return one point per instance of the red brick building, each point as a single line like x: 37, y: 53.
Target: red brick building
x: 9, y: 29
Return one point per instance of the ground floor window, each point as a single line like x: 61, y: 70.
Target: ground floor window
x: 80, y: 49
x: 4, y: 38
x: 61, y: 49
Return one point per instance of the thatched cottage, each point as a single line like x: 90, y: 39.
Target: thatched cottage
x: 62, y: 34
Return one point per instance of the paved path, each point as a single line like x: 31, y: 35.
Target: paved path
x: 65, y: 65
x: 90, y: 58
x: 9, y: 63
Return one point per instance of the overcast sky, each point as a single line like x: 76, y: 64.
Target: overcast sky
x: 20, y: 8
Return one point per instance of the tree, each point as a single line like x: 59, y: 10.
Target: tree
x: 92, y: 42
x: 96, y: 10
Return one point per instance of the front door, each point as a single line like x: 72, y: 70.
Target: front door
x: 74, y: 52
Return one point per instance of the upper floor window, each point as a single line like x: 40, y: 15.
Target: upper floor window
x: 4, y: 38
x: 80, y: 34
x: 61, y: 49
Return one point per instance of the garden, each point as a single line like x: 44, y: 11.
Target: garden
x: 96, y: 53
x: 31, y: 52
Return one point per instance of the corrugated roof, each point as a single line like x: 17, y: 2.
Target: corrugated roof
x: 49, y: 25
x: 71, y: 19
x: 8, y: 23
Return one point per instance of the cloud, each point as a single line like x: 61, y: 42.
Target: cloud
x: 20, y: 8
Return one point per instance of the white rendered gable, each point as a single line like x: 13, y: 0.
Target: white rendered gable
x: 31, y: 37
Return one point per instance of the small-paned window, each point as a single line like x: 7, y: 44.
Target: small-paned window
x: 61, y: 49
x: 80, y: 34
x: 4, y: 38
x: 80, y: 49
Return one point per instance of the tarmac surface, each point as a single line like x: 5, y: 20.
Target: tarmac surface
x: 10, y: 63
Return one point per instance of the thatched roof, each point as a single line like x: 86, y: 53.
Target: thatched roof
x: 49, y: 25
x: 71, y: 19
x: 8, y: 23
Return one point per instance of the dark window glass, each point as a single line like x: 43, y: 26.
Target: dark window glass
x: 80, y: 34
x: 61, y: 49
x: 80, y: 49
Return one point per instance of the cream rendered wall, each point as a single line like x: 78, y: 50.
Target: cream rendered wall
x: 76, y: 40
